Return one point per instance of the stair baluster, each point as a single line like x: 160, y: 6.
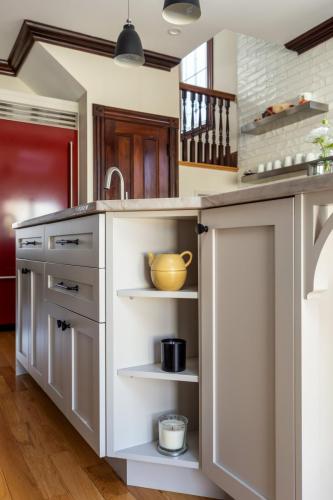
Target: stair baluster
x: 184, y: 138
x: 221, y: 148
x: 192, y: 142
x: 227, y: 131
x: 199, y: 143
x: 207, y: 145
x: 214, y: 155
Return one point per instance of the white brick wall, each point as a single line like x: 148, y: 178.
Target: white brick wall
x: 267, y: 74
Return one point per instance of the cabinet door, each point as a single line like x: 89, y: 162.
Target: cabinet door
x: 58, y: 371
x: 247, y: 350
x: 23, y: 311
x: 87, y: 396
x: 38, y: 332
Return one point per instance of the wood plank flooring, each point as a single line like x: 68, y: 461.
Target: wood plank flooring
x: 41, y: 454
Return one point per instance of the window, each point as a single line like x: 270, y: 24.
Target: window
x: 197, y: 69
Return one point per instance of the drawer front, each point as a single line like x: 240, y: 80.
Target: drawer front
x: 30, y: 243
x: 78, y: 242
x: 79, y: 289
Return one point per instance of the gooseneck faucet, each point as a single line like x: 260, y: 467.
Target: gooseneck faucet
x: 108, y: 178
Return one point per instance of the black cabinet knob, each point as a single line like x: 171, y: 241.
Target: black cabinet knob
x: 202, y: 229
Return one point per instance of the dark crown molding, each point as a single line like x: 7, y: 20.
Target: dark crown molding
x: 32, y: 32
x: 312, y: 38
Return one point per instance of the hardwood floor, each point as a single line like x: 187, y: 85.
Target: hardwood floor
x: 41, y: 454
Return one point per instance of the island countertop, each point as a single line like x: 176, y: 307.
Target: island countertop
x: 238, y: 196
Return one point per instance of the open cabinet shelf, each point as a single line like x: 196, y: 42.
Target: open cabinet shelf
x: 147, y: 452
x: 154, y: 371
x: 185, y: 293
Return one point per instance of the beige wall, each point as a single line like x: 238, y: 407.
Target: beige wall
x: 195, y: 181
x: 141, y: 89
x: 225, y: 75
x: 14, y: 83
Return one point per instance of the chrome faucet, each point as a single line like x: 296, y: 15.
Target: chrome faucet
x: 108, y: 178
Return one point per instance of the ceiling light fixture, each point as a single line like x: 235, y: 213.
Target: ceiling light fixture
x: 174, y: 31
x: 129, y: 51
x: 181, y: 11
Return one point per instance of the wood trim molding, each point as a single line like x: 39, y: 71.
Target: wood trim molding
x: 312, y: 38
x: 100, y: 113
x: 206, y: 91
x: 5, y: 68
x: 208, y: 166
x: 32, y: 32
x: 210, y: 63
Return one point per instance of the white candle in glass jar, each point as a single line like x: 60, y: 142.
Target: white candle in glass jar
x: 172, y: 434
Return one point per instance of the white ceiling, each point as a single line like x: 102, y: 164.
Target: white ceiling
x: 275, y: 20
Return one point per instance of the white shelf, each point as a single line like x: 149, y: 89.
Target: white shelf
x: 185, y: 293
x: 154, y: 371
x: 148, y: 453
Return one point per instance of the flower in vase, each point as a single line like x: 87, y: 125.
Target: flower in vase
x: 323, y: 137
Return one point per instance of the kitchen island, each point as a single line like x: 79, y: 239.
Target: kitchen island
x: 255, y: 312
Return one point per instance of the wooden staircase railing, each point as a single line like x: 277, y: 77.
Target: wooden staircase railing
x: 205, y: 126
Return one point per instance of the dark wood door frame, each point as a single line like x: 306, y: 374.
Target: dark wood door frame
x: 100, y: 113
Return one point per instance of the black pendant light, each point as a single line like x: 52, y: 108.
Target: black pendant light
x: 129, y: 51
x: 181, y: 11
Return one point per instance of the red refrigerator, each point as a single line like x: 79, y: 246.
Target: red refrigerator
x: 38, y: 175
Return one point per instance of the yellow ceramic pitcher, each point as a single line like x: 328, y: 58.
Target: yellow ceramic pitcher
x: 168, y: 271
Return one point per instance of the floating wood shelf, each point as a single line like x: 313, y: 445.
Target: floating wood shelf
x: 279, y: 173
x: 148, y: 453
x: 296, y: 114
x: 154, y: 371
x: 185, y: 293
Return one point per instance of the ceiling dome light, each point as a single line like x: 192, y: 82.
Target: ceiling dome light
x: 181, y: 11
x: 129, y: 51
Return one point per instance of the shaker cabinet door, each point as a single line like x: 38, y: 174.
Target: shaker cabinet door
x: 58, y: 369
x: 23, y: 311
x: 38, y: 333
x: 247, y: 334
x: 87, y: 397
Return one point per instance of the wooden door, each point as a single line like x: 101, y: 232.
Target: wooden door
x: 58, y: 372
x: 38, y: 332
x: 23, y: 312
x: 86, y: 409
x: 143, y: 146
x: 247, y: 331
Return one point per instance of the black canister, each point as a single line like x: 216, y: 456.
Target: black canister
x: 173, y: 355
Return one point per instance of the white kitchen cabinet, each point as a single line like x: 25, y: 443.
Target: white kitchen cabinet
x: 247, y: 346
x: 30, y: 332
x: 76, y: 372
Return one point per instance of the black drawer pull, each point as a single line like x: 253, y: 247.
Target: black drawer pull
x: 25, y: 270
x: 62, y: 285
x: 63, y: 325
x: 67, y: 242
x: 27, y: 243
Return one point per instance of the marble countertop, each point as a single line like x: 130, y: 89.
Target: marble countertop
x: 273, y: 190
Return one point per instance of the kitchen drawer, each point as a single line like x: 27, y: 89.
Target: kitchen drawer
x: 79, y: 242
x: 30, y: 243
x: 79, y: 289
